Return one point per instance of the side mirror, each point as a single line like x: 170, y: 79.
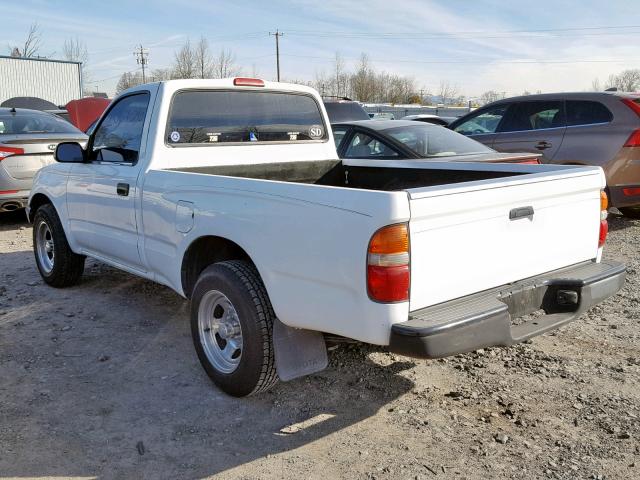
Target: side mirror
x: 69, y: 152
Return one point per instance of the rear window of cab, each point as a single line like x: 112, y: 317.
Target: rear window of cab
x: 210, y: 117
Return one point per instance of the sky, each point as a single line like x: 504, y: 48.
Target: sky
x: 476, y: 45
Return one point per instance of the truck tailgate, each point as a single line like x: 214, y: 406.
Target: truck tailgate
x: 463, y: 239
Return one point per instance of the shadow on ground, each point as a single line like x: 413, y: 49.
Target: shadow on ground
x: 619, y: 222
x: 13, y: 220
x: 101, y: 380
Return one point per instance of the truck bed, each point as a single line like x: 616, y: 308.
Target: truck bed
x: 359, y: 174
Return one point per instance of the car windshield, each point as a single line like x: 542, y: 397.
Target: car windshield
x: 435, y: 141
x: 21, y: 123
x: 345, y: 112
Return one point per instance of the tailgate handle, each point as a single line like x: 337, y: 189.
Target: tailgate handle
x: 520, y: 212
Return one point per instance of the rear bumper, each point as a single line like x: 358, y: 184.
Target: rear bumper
x: 486, y: 319
x: 617, y: 197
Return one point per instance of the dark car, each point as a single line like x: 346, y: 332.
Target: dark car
x: 589, y: 128
x: 407, y: 139
x: 344, y: 110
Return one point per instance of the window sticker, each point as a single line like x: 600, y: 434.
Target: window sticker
x: 315, y: 132
x: 175, y: 136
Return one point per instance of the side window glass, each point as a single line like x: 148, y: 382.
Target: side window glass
x: 526, y: 116
x: 364, y: 146
x: 338, y: 135
x: 485, y: 122
x: 119, y: 135
x: 584, y: 112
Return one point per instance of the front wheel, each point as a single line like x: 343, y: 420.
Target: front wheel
x: 58, y: 265
x: 631, y: 212
x: 232, y: 328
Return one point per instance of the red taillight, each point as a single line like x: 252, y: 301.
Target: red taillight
x: 8, y: 151
x: 248, y: 82
x: 634, y: 139
x: 604, y: 230
x: 388, y: 284
x: 8, y: 192
x: 388, y: 274
x: 604, y: 226
x: 531, y: 161
x: 632, y: 105
x: 631, y: 191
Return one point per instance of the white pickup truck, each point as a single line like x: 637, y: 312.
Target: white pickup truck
x: 231, y: 193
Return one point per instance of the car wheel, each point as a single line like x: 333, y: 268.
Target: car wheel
x: 631, y: 212
x: 57, y: 264
x: 232, y: 328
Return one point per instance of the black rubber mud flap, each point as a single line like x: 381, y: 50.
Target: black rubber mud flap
x: 298, y: 352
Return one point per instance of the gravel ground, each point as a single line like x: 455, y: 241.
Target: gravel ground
x: 101, y: 381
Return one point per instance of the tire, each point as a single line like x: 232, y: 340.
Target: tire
x: 631, y: 212
x: 57, y: 264
x: 231, y: 313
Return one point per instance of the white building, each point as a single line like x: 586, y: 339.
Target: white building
x: 56, y: 81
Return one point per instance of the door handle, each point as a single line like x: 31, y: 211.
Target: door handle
x: 521, y: 212
x: 123, y: 189
x: 543, y: 145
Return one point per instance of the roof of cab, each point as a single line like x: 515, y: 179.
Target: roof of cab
x: 223, y: 83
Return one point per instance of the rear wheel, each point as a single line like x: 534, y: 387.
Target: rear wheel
x: 58, y: 265
x: 631, y: 212
x: 232, y: 327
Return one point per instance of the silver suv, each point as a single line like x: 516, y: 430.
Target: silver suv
x: 590, y: 128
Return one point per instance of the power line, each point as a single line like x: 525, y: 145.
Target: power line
x: 587, y: 31
x: 471, y: 61
x: 141, y: 57
x: 278, y: 34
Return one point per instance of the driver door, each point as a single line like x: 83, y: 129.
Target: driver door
x: 102, y: 193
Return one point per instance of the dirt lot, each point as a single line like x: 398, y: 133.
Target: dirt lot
x: 101, y: 381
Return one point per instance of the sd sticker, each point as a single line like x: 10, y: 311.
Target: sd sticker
x: 315, y: 132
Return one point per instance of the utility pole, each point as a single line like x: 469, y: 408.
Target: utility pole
x: 278, y: 34
x: 141, y: 57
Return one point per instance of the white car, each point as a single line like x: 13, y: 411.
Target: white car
x: 231, y: 193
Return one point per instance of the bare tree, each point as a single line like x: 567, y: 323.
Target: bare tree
x: 339, y: 73
x: 203, y: 59
x: 31, y: 45
x: 363, y: 81
x: 76, y: 51
x: 224, y: 65
x: 595, y: 85
x: 488, y: 97
x: 128, y: 80
x: 159, y: 75
x: 447, y: 91
x: 625, y: 81
x: 184, y: 65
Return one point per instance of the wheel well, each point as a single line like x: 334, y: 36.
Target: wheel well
x: 38, y: 200
x: 203, y: 252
